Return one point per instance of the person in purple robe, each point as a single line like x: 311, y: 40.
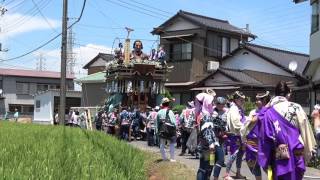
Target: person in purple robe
x: 286, y: 140
x: 235, y: 121
x: 250, y: 134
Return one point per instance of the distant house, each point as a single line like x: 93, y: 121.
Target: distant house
x: 93, y: 89
x: 211, y: 53
x: 253, y: 68
x: 93, y: 85
x: 98, y: 63
x: 47, y: 104
x: 192, y: 42
x: 18, y: 86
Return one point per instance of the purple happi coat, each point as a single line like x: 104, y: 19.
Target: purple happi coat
x: 252, y: 144
x: 273, y: 131
x: 234, y: 141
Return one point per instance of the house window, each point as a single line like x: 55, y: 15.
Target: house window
x: 54, y: 86
x: 214, y: 45
x: 42, y: 87
x: 181, y: 51
x: 315, y: 17
x: 37, y: 103
x: 22, y: 108
x: 225, y: 46
x: 22, y: 88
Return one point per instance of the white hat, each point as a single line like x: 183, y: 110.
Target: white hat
x: 211, y: 92
x: 165, y: 100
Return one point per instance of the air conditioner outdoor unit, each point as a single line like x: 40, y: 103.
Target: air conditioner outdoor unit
x: 212, y: 66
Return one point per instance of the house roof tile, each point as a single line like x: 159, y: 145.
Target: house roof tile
x: 32, y: 73
x: 205, y: 21
x: 240, y: 76
x: 93, y: 78
x: 281, y: 57
x: 103, y: 56
x: 214, y: 23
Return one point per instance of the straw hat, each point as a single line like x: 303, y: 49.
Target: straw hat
x: 165, y: 100
x: 238, y: 94
x: 262, y: 95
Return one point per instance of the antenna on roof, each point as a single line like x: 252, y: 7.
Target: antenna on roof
x: 247, y: 28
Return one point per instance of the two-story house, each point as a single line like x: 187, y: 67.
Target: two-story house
x: 192, y: 40
x: 211, y: 53
x: 18, y: 87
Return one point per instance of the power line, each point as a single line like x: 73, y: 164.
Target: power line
x: 135, y: 10
x: 146, y: 5
x: 140, y: 7
x: 108, y: 27
x: 49, y: 41
x: 15, y: 6
x: 35, y: 4
x: 33, y: 12
x: 185, y: 40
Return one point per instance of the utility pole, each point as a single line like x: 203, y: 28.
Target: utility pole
x: 3, y: 10
x: 63, y: 64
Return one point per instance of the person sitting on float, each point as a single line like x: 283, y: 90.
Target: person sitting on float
x: 137, y: 53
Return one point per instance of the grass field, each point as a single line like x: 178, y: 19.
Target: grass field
x: 45, y: 152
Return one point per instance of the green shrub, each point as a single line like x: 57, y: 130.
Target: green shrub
x: 249, y: 105
x: 178, y: 108
x: 167, y: 94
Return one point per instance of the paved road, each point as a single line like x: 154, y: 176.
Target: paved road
x: 193, y: 163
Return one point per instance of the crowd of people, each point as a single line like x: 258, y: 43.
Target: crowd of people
x: 275, y: 137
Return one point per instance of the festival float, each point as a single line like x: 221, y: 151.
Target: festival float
x: 134, y: 79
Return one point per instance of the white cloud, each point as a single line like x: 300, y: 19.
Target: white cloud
x: 15, y: 24
x: 83, y: 55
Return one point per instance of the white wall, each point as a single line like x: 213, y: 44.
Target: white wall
x: 44, y: 115
x: 252, y: 62
x: 234, y: 44
x: 181, y: 24
x: 315, y: 46
x: 315, y: 43
x: 316, y: 75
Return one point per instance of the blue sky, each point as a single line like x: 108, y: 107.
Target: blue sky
x: 277, y: 23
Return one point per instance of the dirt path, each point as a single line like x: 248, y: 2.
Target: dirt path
x: 193, y: 163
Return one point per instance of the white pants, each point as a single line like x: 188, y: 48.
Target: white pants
x: 162, y: 145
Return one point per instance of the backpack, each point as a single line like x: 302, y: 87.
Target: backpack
x: 189, y: 118
x: 167, y: 130
x: 152, y: 119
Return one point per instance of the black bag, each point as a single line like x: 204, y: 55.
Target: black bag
x: 166, y: 129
